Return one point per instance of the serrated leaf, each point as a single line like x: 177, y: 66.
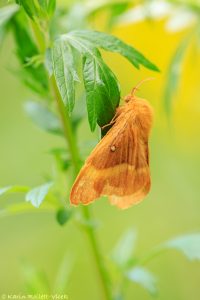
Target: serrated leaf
x: 174, y: 74
x: 144, y: 278
x: 63, y: 216
x: 102, y: 89
x: 124, y: 250
x: 13, y: 189
x: 189, y: 245
x: 111, y: 43
x: 43, y: 117
x: 64, y: 71
x: 37, y: 195
x: 92, y: 86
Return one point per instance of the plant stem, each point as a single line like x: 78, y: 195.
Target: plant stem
x: 103, y: 275
x: 85, y: 209
x: 151, y: 254
x: 66, y: 124
x: 73, y: 149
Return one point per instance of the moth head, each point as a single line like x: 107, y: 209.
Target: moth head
x: 131, y: 96
x: 128, y: 98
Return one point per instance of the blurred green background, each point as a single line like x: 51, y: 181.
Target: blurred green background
x: 173, y: 205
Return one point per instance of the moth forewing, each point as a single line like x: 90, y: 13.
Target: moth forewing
x: 118, y: 167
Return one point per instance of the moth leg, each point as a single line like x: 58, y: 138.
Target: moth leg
x: 112, y: 121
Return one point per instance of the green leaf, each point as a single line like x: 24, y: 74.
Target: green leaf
x: 174, y: 74
x: 51, y: 7
x: 111, y: 43
x: 118, y: 297
x: 29, y: 7
x: 16, y: 208
x: 37, y: 195
x: 34, y: 77
x: 102, y: 89
x: 43, y: 117
x: 48, y: 61
x: 6, y: 13
x: 43, y: 4
x: 63, y: 216
x: 93, y: 85
x: 64, y: 71
x: 35, y: 280
x: 101, y: 85
x: 113, y: 8
x: 116, y: 9
x: 34, y: 61
x: 63, y: 275
x: 123, y: 251
x: 76, y: 119
x: 189, y: 245
x: 13, y: 189
x: 4, y: 190
x: 79, y: 111
x: 144, y: 278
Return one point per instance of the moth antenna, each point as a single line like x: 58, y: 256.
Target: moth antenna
x: 139, y: 84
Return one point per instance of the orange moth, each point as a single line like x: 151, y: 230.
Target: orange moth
x: 118, y: 167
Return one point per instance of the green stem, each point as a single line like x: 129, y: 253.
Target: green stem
x: 73, y: 149
x: 151, y: 254
x: 66, y: 124
x: 38, y: 36
x: 85, y: 210
x: 103, y: 275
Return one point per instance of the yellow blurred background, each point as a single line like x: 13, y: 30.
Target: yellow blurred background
x: 172, y: 207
